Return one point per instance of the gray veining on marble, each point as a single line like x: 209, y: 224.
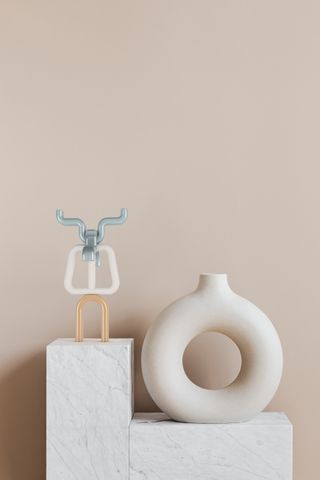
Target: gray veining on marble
x: 89, y: 408
x: 161, y: 449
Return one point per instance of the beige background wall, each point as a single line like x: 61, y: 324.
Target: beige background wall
x: 201, y: 117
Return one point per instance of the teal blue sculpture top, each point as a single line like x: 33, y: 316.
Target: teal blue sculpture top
x: 90, y: 237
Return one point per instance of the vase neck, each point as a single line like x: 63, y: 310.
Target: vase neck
x: 213, y: 282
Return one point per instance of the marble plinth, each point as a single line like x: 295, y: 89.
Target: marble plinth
x: 161, y: 449
x: 89, y: 408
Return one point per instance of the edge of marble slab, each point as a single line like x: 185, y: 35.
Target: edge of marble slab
x: 264, y: 418
x: 90, y: 341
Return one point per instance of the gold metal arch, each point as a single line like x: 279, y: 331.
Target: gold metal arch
x: 104, y: 319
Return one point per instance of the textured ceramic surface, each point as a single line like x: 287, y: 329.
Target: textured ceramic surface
x: 212, y: 307
x: 89, y: 408
x: 161, y: 449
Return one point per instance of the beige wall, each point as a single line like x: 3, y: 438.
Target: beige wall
x: 201, y: 117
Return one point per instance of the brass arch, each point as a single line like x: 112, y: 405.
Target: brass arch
x: 104, y: 319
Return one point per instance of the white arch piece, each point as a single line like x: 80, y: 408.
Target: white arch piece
x: 91, y: 289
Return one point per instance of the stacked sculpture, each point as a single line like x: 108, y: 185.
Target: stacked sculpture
x: 91, y: 434
x: 91, y: 254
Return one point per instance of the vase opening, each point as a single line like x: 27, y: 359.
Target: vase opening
x: 213, y: 280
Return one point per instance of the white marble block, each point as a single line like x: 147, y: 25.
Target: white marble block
x: 89, y: 408
x: 161, y: 449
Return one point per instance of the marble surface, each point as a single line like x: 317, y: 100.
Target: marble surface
x: 89, y: 408
x: 161, y: 449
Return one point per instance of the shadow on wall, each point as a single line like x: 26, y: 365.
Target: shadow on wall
x: 22, y: 410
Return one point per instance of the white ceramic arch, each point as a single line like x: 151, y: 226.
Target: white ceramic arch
x: 212, y: 307
x: 91, y: 289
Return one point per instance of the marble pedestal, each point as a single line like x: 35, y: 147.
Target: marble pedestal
x: 89, y: 408
x: 161, y: 449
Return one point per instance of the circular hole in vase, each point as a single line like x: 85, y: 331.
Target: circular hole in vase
x: 212, y: 360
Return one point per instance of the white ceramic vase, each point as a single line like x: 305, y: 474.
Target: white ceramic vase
x: 213, y: 306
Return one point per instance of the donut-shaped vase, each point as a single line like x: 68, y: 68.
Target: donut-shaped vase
x: 212, y: 307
